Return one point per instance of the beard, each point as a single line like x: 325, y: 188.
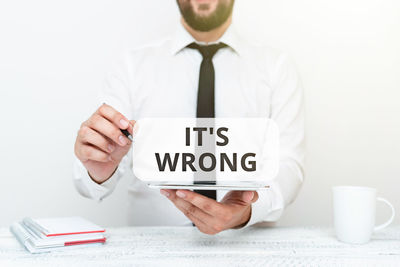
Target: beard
x: 206, y: 23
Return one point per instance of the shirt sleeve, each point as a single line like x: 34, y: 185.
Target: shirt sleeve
x: 89, y: 188
x: 116, y: 94
x: 287, y: 110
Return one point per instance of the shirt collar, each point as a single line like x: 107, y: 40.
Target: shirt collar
x: 182, y: 38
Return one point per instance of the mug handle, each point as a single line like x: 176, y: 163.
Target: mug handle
x: 383, y: 225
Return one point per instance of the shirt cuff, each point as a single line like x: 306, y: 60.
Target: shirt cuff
x: 268, y: 207
x: 89, y: 188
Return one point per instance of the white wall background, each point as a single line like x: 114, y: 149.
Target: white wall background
x: 54, y: 54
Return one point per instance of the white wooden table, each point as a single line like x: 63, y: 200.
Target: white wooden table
x: 184, y: 246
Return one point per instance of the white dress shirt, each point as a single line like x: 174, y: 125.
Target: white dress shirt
x: 162, y: 81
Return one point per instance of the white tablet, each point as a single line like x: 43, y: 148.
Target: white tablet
x: 228, y: 187
x: 188, y: 153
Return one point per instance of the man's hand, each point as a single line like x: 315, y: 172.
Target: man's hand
x: 100, y: 144
x: 210, y: 216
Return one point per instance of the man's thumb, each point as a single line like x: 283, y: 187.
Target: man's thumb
x: 248, y: 196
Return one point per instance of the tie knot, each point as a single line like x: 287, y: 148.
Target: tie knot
x: 207, y: 51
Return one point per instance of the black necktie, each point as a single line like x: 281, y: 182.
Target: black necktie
x: 206, y: 98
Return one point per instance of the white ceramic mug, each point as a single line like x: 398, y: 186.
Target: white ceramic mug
x: 354, y: 213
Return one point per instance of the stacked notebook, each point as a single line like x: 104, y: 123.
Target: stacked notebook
x: 44, y: 235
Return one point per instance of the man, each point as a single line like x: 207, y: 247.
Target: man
x: 204, y: 70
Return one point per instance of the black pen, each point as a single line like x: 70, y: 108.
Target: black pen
x: 127, y: 134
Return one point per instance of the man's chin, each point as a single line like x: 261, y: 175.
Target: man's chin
x: 204, y: 11
x: 203, y: 15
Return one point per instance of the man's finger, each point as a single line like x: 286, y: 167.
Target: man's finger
x: 202, y: 226
x: 241, y: 197
x: 247, y: 196
x: 206, y: 204
x: 113, y: 116
x: 108, y: 129
x: 199, y: 218
x: 255, y: 198
x: 188, y: 208
x: 90, y: 136
x: 88, y: 152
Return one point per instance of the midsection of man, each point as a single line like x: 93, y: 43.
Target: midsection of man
x: 163, y: 81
